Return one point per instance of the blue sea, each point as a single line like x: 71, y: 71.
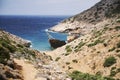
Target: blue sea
x: 32, y: 28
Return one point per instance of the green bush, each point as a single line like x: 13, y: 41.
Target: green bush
x: 50, y: 57
x: 114, y: 71
x: 97, y: 34
x: 109, y: 61
x: 77, y: 48
x: 11, y: 48
x: 66, y: 54
x: 69, y: 67
x: 19, y: 45
x: 105, y: 44
x: 95, y: 43
x: 30, y: 52
x: 8, y: 45
x: 4, y: 55
x: 118, y: 70
x: 108, y: 78
x: 57, y: 58
x: 112, y: 49
x: 117, y: 28
x: 5, y: 39
x: 75, y: 61
x: 80, y: 45
x: 113, y: 68
x: 67, y: 63
x: 77, y: 75
x: 68, y: 48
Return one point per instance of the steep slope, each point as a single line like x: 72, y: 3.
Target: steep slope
x: 16, y: 56
x: 86, y: 20
x: 92, y: 52
x: 97, y: 51
x: 11, y: 47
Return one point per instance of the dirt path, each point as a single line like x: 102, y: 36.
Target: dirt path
x: 29, y: 72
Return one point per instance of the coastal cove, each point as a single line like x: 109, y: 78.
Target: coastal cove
x: 89, y: 44
x: 33, y: 28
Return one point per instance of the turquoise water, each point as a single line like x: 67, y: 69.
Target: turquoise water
x: 32, y: 28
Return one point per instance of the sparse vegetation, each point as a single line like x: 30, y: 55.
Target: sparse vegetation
x: 95, y: 43
x: 66, y: 54
x: 105, y: 44
x: 50, y: 57
x: 77, y: 48
x: 75, y: 61
x: 98, y: 51
x: 57, y: 59
x: 112, y: 49
x: 19, y: 45
x: 69, y: 67
x: 117, y: 28
x: 98, y: 73
x: 109, y: 61
x: 93, y: 46
x: 6, y: 43
x: 118, y: 70
x: 68, y: 48
x: 80, y: 45
x: 11, y: 48
x: 97, y: 33
x: 4, y: 55
x: 67, y: 63
x: 77, y: 75
x: 114, y: 71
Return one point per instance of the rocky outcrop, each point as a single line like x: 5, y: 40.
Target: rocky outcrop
x: 55, y: 43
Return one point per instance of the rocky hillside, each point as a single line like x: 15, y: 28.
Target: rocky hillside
x: 95, y: 55
x: 86, y: 21
x: 100, y: 11
x: 15, y: 52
